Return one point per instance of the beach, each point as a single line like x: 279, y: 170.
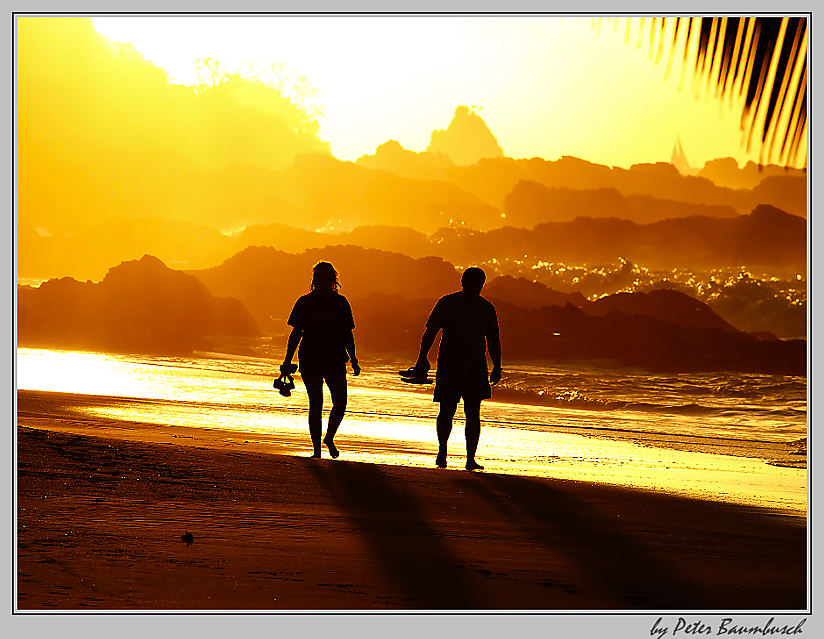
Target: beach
x: 102, y: 505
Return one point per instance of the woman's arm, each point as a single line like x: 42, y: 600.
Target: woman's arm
x: 493, y: 343
x: 292, y: 345
x: 350, y: 350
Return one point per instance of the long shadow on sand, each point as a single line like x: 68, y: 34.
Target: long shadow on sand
x: 619, y: 560
x: 411, y: 553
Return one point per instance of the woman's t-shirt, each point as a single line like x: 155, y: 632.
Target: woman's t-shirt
x: 325, y: 318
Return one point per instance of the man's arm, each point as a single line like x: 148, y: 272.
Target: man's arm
x: 426, y: 343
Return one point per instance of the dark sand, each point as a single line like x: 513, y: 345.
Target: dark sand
x: 100, y: 519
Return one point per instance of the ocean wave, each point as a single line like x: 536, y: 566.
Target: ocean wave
x: 708, y: 394
x: 573, y: 399
x: 726, y: 399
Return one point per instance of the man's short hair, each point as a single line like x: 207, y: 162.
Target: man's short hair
x: 473, y: 277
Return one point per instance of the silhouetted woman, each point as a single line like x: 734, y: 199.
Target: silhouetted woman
x: 322, y: 323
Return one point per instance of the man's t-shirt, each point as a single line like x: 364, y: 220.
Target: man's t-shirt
x: 326, y: 320
x: 466, y: 320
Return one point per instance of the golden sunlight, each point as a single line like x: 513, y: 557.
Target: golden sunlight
x: 547, y: 86
x: 288, y: 286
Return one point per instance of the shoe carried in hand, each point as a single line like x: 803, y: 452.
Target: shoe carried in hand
x: 285, y: 383
x: 418, y: 374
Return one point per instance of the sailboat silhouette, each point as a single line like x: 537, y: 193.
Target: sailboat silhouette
x: 678, y: 158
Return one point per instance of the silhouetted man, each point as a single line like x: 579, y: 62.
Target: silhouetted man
x: 470, y: 325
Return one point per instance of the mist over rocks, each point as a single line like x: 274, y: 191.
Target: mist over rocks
x: 398, y: 239
x: 89, y: 252
x: 392, y: 157
x: 530, y: 203
x: 765, y: 237
x: 493, y: 179
x: 140, y: 306
x: 319, y: 191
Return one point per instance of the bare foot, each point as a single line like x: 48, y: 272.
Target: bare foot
x: 440, y: 460
x: 315, y: 455
x: 333, y: 450
x: 473, y: 465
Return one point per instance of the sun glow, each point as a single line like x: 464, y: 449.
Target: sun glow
x: 545, y: 86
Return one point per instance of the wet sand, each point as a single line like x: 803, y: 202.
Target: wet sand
x: 102, y: 505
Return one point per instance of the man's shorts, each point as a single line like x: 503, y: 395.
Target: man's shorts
x: 469, y: 387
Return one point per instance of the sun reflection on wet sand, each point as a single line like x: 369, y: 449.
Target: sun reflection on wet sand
x: 399, y: 441
x: 396, y: 427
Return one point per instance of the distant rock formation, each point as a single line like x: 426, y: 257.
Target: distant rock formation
x: 398, y: 239
x: 784, y: 191
x: 392, y: 295
x: 531, y: 203
x: 663, y: 304
x: 140, y: 306
x: 766, y: 237
x: 177, y: 216
x: 493, y: 179
x: 726, y: 172
x: 636, y: 330
x: 523, y: 292
x: 466, y: 140
x: 635, y: 339
x: 318, y: 191
x: 144, y: 307
x: 269, y: 281
x: 392, y: 157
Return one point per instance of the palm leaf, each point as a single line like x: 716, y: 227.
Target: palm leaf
x: 761, y: 60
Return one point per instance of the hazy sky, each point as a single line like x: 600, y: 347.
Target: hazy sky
x: 546, y: 86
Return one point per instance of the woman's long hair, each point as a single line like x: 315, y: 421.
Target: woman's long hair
x: 324, y: 277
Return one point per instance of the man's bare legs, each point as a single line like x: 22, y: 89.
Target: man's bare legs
x: 472, y: 411
x: 444, y: 423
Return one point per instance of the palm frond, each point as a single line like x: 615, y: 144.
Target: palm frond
x: 761, y: 60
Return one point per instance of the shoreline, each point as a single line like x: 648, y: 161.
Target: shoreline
x: 724, y: 470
